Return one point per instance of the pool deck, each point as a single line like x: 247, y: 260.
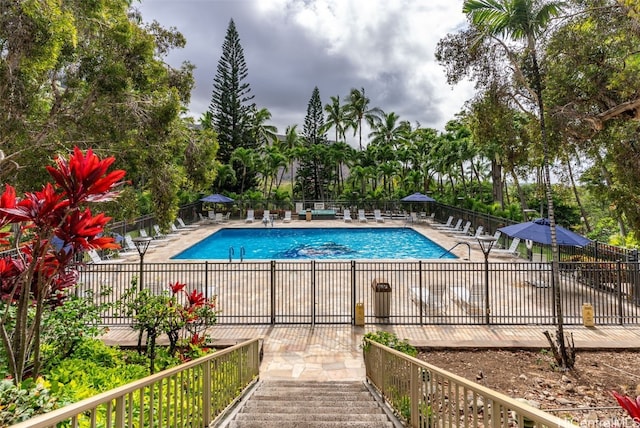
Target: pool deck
x: 334, y: 353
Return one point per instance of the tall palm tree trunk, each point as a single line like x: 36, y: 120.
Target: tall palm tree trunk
x: 563, y: 357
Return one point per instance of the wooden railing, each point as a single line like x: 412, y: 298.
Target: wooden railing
x: 426, y: 396
x: 189, y: 395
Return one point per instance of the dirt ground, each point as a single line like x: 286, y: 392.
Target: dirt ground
x: 582, y: 394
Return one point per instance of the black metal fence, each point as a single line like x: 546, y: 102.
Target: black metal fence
x: 418, y: 292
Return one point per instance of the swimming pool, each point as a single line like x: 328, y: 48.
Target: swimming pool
x: 315, y: 243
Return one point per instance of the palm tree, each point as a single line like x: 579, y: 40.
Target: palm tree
x: 341, y: 154
x: 273, y: 161
x: 246, y: 158
x: 225, y: 174
x: 291, y: 143
x: 525, y: 20
x: 335, y: 118
x: 387, y: 131
x: 264, y: 134
x: 357, y: 110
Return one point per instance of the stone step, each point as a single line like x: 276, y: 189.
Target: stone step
x: 288, y: 404
x: 317, y: 424
x: 311, y: 416
x: 306, y: 395
x: 324, y: 407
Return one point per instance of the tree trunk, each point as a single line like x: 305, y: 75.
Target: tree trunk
x: 609, y: 182
x: 583, y: 213
x: 521, y: 197
x: 496, y: 179
x: 564, y: 361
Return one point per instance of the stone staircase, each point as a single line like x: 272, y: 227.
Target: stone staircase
x: 288, y: 404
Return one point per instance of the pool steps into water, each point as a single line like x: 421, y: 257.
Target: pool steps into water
x: 231, y: 252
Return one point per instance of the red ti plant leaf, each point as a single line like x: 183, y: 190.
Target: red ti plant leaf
x: 10, y: 270
x: 83, y: 231
x: 195, y: 298
x: 177, y: 287
x: 7, y: 201
x: 197, y: 340
x: 84, y: 178
x: 629, y: 404
x: 43, y: 209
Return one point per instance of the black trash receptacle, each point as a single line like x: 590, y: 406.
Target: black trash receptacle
x: 381, y: 298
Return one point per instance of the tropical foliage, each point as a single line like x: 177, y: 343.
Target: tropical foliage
x: 174, y: 313
x: 52, y: 226
x: 65, y: 84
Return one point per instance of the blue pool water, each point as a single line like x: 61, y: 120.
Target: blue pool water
x: 315, y: 243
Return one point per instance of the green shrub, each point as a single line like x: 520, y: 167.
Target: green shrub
x: 93, y: 368
x: 19, y: 403
x: 392, y: 341
x: 68, y: 325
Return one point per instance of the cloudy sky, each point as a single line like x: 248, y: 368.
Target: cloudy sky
x: 290, y: 46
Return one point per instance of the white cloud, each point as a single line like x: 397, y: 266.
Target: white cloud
x: 387, y: 47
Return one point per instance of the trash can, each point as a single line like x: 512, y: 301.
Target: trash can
x: 360, y: 314
x: 587, y: 315
x: 381, y: 298
x: 308, y: 214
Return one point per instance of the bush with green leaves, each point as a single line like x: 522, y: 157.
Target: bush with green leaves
x: 67, y: 325
x: 92, y: 368
x: 21, y: 402
x: 392, y: 341
x: 174, y: 312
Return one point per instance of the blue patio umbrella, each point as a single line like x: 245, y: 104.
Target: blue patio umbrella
x: 538, y: 230
x: 217, y: 198
x: 417, y: 197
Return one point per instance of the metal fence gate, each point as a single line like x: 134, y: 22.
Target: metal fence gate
x: 398, y: 292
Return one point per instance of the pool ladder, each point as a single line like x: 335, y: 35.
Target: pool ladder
x: 231, y: 252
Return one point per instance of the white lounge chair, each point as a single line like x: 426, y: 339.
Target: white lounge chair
x: 175, y: 230
x: 287, y: 217
x: 361, y: 216
x: 266, y: 217
x: 512, y: 251
x: 464, y: 231
x: 446, y: 225
x: 347, y: 216
x: 378, y: 216
x: 159, y: 234
x: 466, y: 237
x: 470, y: 300
x: 496, y: 236
x: 411, y: 218
x: 125, y: 249
x: 131, y: 246
x: 95, y: 258
x: 143, y: 233
x: 538, y: 274
x: 183, y: 225
x: 457, y: 228
x: 250, y: 218
x: 204, y: 219
x: 212, y: 216
x: 434, y: 300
